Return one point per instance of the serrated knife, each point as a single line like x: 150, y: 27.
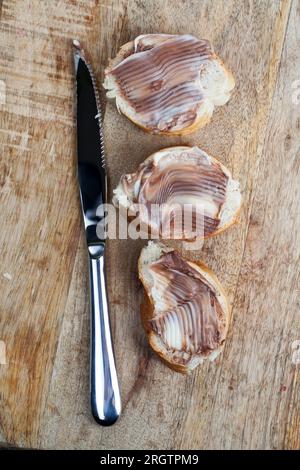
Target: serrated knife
x: 104, y: 388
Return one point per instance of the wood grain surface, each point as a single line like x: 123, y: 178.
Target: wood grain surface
x: 249, y: 398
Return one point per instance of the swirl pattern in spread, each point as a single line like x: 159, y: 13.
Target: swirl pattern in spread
x: 190, y: 320
x: 187, y: 182
x: 162, y: 82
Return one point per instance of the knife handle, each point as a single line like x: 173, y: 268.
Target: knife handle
x: 105, y: 395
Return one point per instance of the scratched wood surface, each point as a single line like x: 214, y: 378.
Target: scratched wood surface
x: 249, y: 398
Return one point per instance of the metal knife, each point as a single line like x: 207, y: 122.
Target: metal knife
x: 104, y: 388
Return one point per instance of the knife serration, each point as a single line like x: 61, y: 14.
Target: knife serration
x: 80, y: 54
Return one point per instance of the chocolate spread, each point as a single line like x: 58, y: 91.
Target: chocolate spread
x: 190, y: 319
x: 161, y: 82
x: 191, y: 178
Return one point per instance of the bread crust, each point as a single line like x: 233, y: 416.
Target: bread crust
x: 147, y: 309
x: 203, y: 119
x: 123, y: 52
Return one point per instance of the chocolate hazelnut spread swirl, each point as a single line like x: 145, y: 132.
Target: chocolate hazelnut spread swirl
x: 161, y: 82
x: 188, y: 182
x: 189, y: 320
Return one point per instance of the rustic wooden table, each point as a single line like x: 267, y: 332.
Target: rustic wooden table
x: 250, y: 397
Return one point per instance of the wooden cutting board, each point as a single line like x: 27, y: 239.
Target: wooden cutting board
x: 249, y: 398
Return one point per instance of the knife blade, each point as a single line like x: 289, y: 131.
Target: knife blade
x: 104, y: 388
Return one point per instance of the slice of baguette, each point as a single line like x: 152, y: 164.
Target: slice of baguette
x: 180, y: 359
x: 210, y: 85
x: 128, y: 192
